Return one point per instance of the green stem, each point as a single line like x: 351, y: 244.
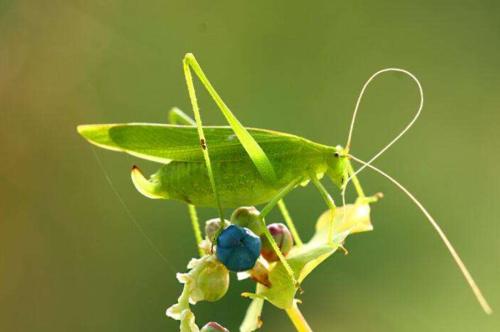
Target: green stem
x: 298, y: 319
x: 196, y: 227
x: 289, y: 222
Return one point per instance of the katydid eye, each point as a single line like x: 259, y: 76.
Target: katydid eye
x: 336, y: 154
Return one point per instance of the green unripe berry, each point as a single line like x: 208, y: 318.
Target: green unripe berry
x: 213, y: 327
x: 211, y: 280
x: 248, y: 216
x: 283, y: 239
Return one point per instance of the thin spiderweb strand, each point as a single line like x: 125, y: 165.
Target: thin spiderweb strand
x: 129, y: 213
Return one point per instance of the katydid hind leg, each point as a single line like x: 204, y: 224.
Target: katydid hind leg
x: 187, y: 63
x: 255, y: 152
x: 177, y: 117
x: 258, y: 156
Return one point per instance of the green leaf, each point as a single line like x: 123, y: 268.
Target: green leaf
x: 303, y: 260
x: 164, y: 143
x: 252, y: 321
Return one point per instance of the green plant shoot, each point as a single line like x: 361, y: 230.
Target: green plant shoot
x: 232, y: 166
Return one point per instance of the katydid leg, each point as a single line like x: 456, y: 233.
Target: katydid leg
x: 289, y: 222
x: 187, y: 62
x: 258, y: 156
x: 329, y: 202
x: 193, y: 215
x: 265, y: 211
x: 176, y: 116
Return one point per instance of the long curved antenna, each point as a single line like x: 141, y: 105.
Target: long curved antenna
x: 395, y: 139
x: 468, y: 277
x: 408, y: 126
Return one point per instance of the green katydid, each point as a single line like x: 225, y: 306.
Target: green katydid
x: 231, y: 166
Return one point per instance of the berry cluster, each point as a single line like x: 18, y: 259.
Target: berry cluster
x: 234, y: 245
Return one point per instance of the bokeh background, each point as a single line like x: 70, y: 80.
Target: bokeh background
x: 71, y: 259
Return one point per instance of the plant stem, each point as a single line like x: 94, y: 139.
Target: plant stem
x: 289, y: 222
x: 298, y: 319
x: 196, y: 227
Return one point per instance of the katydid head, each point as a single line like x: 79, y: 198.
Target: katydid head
x: 338, y: 170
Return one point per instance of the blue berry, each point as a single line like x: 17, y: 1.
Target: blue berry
x: 238, y: 248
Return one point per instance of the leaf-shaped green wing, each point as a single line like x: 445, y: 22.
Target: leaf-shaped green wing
x: 164, y: 143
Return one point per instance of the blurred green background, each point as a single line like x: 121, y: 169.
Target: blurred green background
x: 72, y: 260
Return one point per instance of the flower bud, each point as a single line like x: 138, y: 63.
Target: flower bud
x: 212, y: 227
x: 248, y: 216
x: 238, y: 248
x: 283, y: 239
x: 213, y: 327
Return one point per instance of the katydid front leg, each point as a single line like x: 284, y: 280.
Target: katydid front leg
x: 329, y: 202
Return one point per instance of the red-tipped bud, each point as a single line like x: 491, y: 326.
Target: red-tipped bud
x: 213, y: 327
x: 283, y: 239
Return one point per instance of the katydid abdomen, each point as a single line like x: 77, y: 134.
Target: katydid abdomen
x: 184, y: 175
x: 238, y: 181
